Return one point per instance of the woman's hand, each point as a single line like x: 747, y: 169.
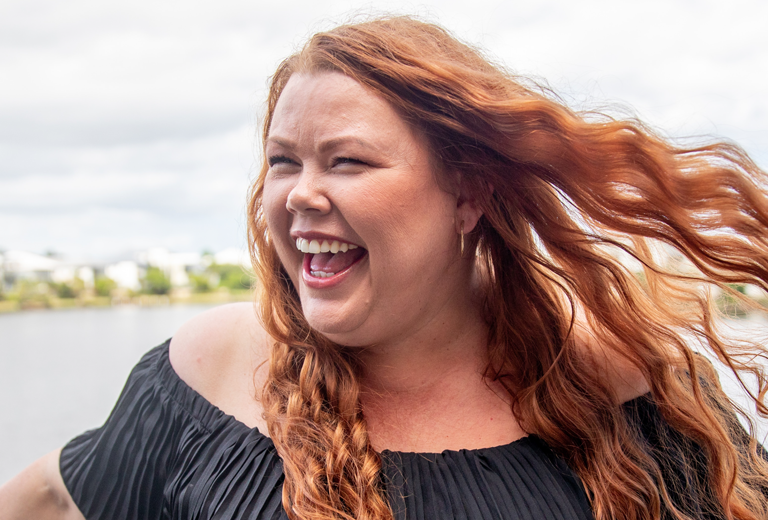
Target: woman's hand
x: 38, y: 493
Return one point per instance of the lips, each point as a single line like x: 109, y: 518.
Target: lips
x: 325, y: 259
x: 326, y: 265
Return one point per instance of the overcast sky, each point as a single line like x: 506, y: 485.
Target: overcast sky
x: 126, y: 125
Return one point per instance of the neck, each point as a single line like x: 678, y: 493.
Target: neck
x: 414, y: 365
x: 416, y: 391
x: 453, y: 340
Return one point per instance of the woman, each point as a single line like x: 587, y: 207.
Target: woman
x: 445, y: 331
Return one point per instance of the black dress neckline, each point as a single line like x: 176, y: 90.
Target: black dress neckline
x: 209, y: 413
x: 166, y: 453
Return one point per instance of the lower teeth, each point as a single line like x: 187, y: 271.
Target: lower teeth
x: 321, y: 274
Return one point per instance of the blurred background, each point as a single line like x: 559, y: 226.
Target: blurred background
x: 128, y: 139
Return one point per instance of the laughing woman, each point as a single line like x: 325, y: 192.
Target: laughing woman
x: 443, y: 329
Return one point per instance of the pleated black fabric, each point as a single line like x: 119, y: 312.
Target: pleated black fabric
x: 167, y: 453
x: 522, y: 480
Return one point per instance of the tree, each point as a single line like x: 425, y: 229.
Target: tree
x: 200, y: 282
x: 104, y: 286
x: 155, y: 282
x: 232, y: 276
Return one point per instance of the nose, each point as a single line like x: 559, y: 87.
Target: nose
x: 307, y: 196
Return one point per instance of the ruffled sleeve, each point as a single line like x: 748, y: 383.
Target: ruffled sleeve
x: 166, y: 452
x: 126, y: 459
x: 682, y: 462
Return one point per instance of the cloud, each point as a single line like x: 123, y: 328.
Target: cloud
x: 129, y: 123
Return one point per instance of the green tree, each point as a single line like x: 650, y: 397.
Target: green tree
x: 69, y: 289
x: 155, y: 282
x: 201, y: 283
x: 31, y: 293
x: 64, y: 290
x: 232, y: 277
x: 104, y: 285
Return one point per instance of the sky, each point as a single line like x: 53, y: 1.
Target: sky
x: 130, y: 125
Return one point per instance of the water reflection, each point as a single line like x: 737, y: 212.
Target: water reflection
x: 61, y: 372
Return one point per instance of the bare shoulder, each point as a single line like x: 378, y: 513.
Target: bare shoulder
x: 215, y: 336
x: 623, y: 376
x: 223, y: 355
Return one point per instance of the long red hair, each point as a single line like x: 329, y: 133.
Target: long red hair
x: 563, y: 196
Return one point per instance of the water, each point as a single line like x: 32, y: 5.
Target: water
x: 62, y: 371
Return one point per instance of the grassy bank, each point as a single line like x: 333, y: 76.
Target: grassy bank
x: 181, y: 297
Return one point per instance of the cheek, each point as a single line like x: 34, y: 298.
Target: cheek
x: 273, y: 203
x: 399, y: 199
x: 277, y: 218
x: 404, y: 217
x: 383, y: 216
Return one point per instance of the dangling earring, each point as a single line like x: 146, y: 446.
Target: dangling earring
x: 461, y: 227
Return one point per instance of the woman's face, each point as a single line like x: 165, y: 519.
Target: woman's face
x: 348, y: 174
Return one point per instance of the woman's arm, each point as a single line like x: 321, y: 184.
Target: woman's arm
x: 38, y: 492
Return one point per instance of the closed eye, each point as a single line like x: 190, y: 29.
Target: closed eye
x: 346, y: 160
x: 279, y: 159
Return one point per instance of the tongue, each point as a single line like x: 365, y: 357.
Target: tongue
x: 335, y: 263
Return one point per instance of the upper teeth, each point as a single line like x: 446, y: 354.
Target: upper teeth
x: 316, y: 246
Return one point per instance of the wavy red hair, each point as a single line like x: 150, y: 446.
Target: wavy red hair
x: 562, y: 193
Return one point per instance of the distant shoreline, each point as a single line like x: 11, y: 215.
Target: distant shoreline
x: 142, y: 300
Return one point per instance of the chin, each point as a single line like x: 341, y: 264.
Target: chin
x: 343, y: 336
x: 341, y: 328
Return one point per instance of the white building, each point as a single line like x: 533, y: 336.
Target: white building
x: 25, y: 265
x: 232, y: 256
x: 174, y: 265
x: 125, y: 274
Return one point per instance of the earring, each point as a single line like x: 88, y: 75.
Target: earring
x: 461, y: 227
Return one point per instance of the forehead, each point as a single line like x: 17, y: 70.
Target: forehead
x: 324, y: 103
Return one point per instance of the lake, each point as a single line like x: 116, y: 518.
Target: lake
x: 62, y: 371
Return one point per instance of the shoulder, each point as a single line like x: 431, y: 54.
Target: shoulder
x: 223, y: 355
x: 626, y: 379
x: 617, y: 371
x: 216, y: 332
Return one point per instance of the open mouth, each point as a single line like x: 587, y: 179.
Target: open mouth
x: 328, y: 258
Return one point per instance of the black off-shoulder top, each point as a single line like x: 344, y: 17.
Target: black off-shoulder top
x: 167, y: 453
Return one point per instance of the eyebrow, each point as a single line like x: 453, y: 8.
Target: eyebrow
x: 338, y: 141
x: 325, y: 145
x: 287, y: 143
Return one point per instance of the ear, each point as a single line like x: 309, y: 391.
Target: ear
x: 468, y: 207
x: 468, y: 213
